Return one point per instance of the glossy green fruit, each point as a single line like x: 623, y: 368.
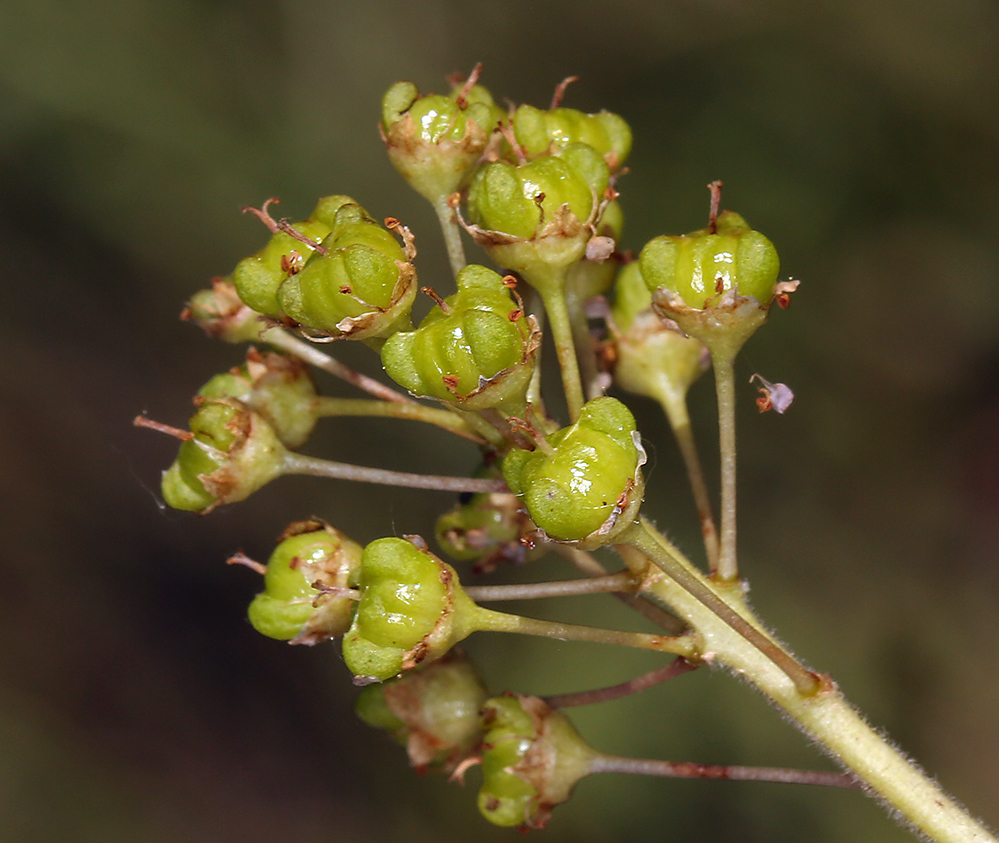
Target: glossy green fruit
x: 476, y: 349
x: 257, y: 278
x: 291, y: 606
x: 538, y: 131
x: 701, y: 265
x: 586, y: 484
x: 361, y: 284
x: 234, y: 452
x: 532, y: 759
x: 412, y: 609
x: 435, y: 141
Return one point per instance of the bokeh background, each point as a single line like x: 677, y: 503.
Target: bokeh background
x: 136, y: 704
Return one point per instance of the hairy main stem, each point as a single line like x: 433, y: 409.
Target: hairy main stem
x: 821, y: 712
x: 728, y: 567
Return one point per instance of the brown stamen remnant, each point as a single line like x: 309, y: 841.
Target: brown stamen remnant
x: 176, y: 432
x: 430, y: 291
x: 263, y: 214
x: 773, y: 396
x: 560, y: 90
x: 241, y: 558
x: 291, y: 231
x: 473, y: 78
x: 716, y: 188
x: 408, y: 240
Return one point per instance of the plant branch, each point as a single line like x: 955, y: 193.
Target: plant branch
x: 687, y: 770
x: 675, y: 668
x: 452, y: 234
x: 300, y: 464
x: 623, y: 581
x: 327, y: 406
x: 280, y: 338
x: 728, y: 566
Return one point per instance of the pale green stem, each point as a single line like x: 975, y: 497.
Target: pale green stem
x: 452, y: 234
x: 487, y: 620
x: 300, y: 464
x: 821, y: 712
x: 728, y: 566
x: 674, y: 405
x: 583, y: 342
x: 480, y: 425
x: 534, y: 388
x: 327, y: 406
x: 675, y: 668
x: 550, y: 284
x: 623, y: 581
x: 686, y: 770
x: 280, y: 338
x: 640, y: 603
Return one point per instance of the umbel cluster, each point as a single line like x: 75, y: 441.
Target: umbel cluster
x: 537, y: 190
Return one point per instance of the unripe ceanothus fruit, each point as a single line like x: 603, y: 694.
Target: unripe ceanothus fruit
x: 412, y: 609
x: 302, y: 600
x: 583, y: 483
x: 359, y: 285
x: 476, y: 349
x: 276, y: 386
x: 433, y: 710
x: 258, y: 277
x: 232, y: 453
x: 538, y: 132
x: 532, y: 758
x: 435, y: 141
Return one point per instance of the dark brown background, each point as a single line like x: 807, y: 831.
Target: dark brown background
x: 137, y: 704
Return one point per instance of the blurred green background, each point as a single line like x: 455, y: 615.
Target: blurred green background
x: 135, y: 701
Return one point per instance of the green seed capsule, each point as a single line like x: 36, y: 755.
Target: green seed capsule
x: 257, y: 278
x: 435, y: 141
x: 360, y: 285
x: 538, y: 131
x: 276, y: 386
x: 433, y: 710
x: 531, y: 761
x: 234, y: 452
x: 585, y: 485
x: 295, y: 604
x: 522, y: 200
x: 651, y: 359
x: 412, y: 609
x: 220, y: 312
x: 701, y: 265
x: 476, y: 349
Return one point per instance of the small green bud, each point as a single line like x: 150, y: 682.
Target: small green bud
x: 476, y: 349
x: 257, y: 278
x: 412, y: 609
x: 233, y: 452
x: 359, y: 285
x: 539, y: 131
x: 651, y: 358
x: 435, y: 141
x: 584, y: 484
x: 701, y: 265
x: 433, y: 710
x: 220, y: 312
x: 532, y: 759
x: 299, y: 601
x: 278, y: 387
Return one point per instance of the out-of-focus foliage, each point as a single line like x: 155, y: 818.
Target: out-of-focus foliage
x: 862, y: 137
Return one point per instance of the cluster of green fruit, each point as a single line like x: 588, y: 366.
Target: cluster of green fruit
x: 539, y: 189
